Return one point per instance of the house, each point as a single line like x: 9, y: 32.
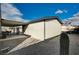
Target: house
x: 41, y: 29
x: 44, y: 28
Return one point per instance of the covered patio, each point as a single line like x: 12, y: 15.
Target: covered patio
x: 9, y: 27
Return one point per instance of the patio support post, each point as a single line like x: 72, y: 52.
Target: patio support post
x: 0, y: 30
x: 24, y: 28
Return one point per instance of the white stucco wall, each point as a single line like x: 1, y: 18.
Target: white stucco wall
x: 52, y: 28
x: 36, y: 30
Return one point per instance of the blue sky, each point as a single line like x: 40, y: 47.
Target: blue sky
x: 32, y: 11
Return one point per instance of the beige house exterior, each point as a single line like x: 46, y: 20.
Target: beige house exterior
x: 44, y: 28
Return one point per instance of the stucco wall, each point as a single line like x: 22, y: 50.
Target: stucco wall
x: 36, y: 30
x: 41, y: 30
x: 52, y: 28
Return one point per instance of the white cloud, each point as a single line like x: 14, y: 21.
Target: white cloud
x: 59, y: 11
x: 10, y: 12
x: 74, y: 20
x: 75, y: 23
x: 77, y: 14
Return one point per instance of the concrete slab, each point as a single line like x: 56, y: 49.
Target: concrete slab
x: 10, y: 43
x: 74, y: 44
x: 47, y: 47
x: 14, y: 37
x: 50, y: 47
x: 25, y: 43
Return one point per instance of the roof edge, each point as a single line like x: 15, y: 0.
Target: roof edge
x: 48, y: 18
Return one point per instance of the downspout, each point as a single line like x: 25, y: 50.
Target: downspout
x: 44, y: 30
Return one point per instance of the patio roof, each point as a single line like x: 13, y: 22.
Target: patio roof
x: 10, y: 23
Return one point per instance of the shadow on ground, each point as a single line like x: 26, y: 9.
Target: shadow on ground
x: 47, y: 47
